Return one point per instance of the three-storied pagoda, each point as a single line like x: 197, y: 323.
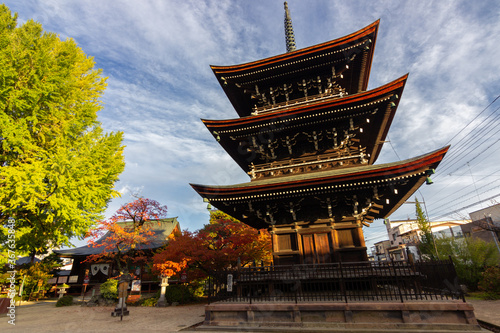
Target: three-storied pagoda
x: 308, y: 135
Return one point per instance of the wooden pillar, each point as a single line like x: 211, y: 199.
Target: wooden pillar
x: 299, y: 246
x: 274, y: 239
x: 360, y: 234
x: 335, y: 239
x: 335, y: 243
x: 361, y: 238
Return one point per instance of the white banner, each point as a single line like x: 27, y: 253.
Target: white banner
x: 104, y: 268
x: 94, y: 269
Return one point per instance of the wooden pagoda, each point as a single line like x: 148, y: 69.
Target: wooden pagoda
x: 308, y: 135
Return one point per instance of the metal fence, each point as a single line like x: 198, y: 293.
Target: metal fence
x: 338, y: 282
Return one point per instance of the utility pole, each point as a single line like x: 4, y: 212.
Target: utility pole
x: 489, y: 221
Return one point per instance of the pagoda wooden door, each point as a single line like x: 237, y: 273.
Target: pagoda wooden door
x: 316, y: 248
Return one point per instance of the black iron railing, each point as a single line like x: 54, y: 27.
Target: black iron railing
x: 400, y: 281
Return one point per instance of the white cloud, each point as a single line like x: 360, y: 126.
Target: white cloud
x: 157, y: 56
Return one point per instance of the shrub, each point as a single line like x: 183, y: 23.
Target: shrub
x: 197, y: 288
x: 109, y: 289
x: 470, y: 256
x: 34, y: 274
x: 181, y: 294
x: 150, y: 301
x: 490, y: 282
x: 65, y: 301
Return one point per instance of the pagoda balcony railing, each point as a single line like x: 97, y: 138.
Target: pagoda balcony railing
x: 371, y: 281
x: 295, y: 165
x: 296, y: 102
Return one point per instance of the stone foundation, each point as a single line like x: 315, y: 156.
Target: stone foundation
x: 373, y: 316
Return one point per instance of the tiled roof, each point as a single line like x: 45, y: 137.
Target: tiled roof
x: 342, y: 172
x: 161, y: 228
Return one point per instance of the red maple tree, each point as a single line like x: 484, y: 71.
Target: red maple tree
x: 121, y: 237
x: 169, y: 268
x: 217, y: 246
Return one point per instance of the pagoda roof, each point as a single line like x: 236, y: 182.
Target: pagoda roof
x: 410, y: 174
x: 378, y: 104
x: 161, y: 230
x: 355, y: 50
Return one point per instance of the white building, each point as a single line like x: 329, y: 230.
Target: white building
x: 379, y: 250
x: 404, y: 236
x: 485, y: 224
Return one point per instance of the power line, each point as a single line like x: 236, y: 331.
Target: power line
x: 433, y: 203
x: 469, y: 198
x: 458, y: 146
x: 475, y: 139
x: 468, y: 206
x: 481, y: 152
x: 472, y: 144
x: 491, y: 123
x: 470, y: 122
x: 472, y: 141
x: 395, y: 152
x: 434, y: 194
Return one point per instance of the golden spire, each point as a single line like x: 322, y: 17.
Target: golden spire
x: 290, y: 37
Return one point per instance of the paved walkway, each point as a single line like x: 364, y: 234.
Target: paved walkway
x: 44, y: 317
x: 488, y: 311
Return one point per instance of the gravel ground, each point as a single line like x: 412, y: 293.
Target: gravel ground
x: 44, y: 317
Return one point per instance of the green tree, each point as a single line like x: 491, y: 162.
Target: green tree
x: 426, y: 245
x: 36, y: 275
x: 218, y: 215
x: 471, y: 256
x: 57, y: 166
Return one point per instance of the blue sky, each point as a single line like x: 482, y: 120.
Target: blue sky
x: 156, y: 55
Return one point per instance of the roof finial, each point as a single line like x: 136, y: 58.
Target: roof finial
x: 290, y: 37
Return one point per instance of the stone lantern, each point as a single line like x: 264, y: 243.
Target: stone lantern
x: 164, y: 284
x: 62, y: 290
